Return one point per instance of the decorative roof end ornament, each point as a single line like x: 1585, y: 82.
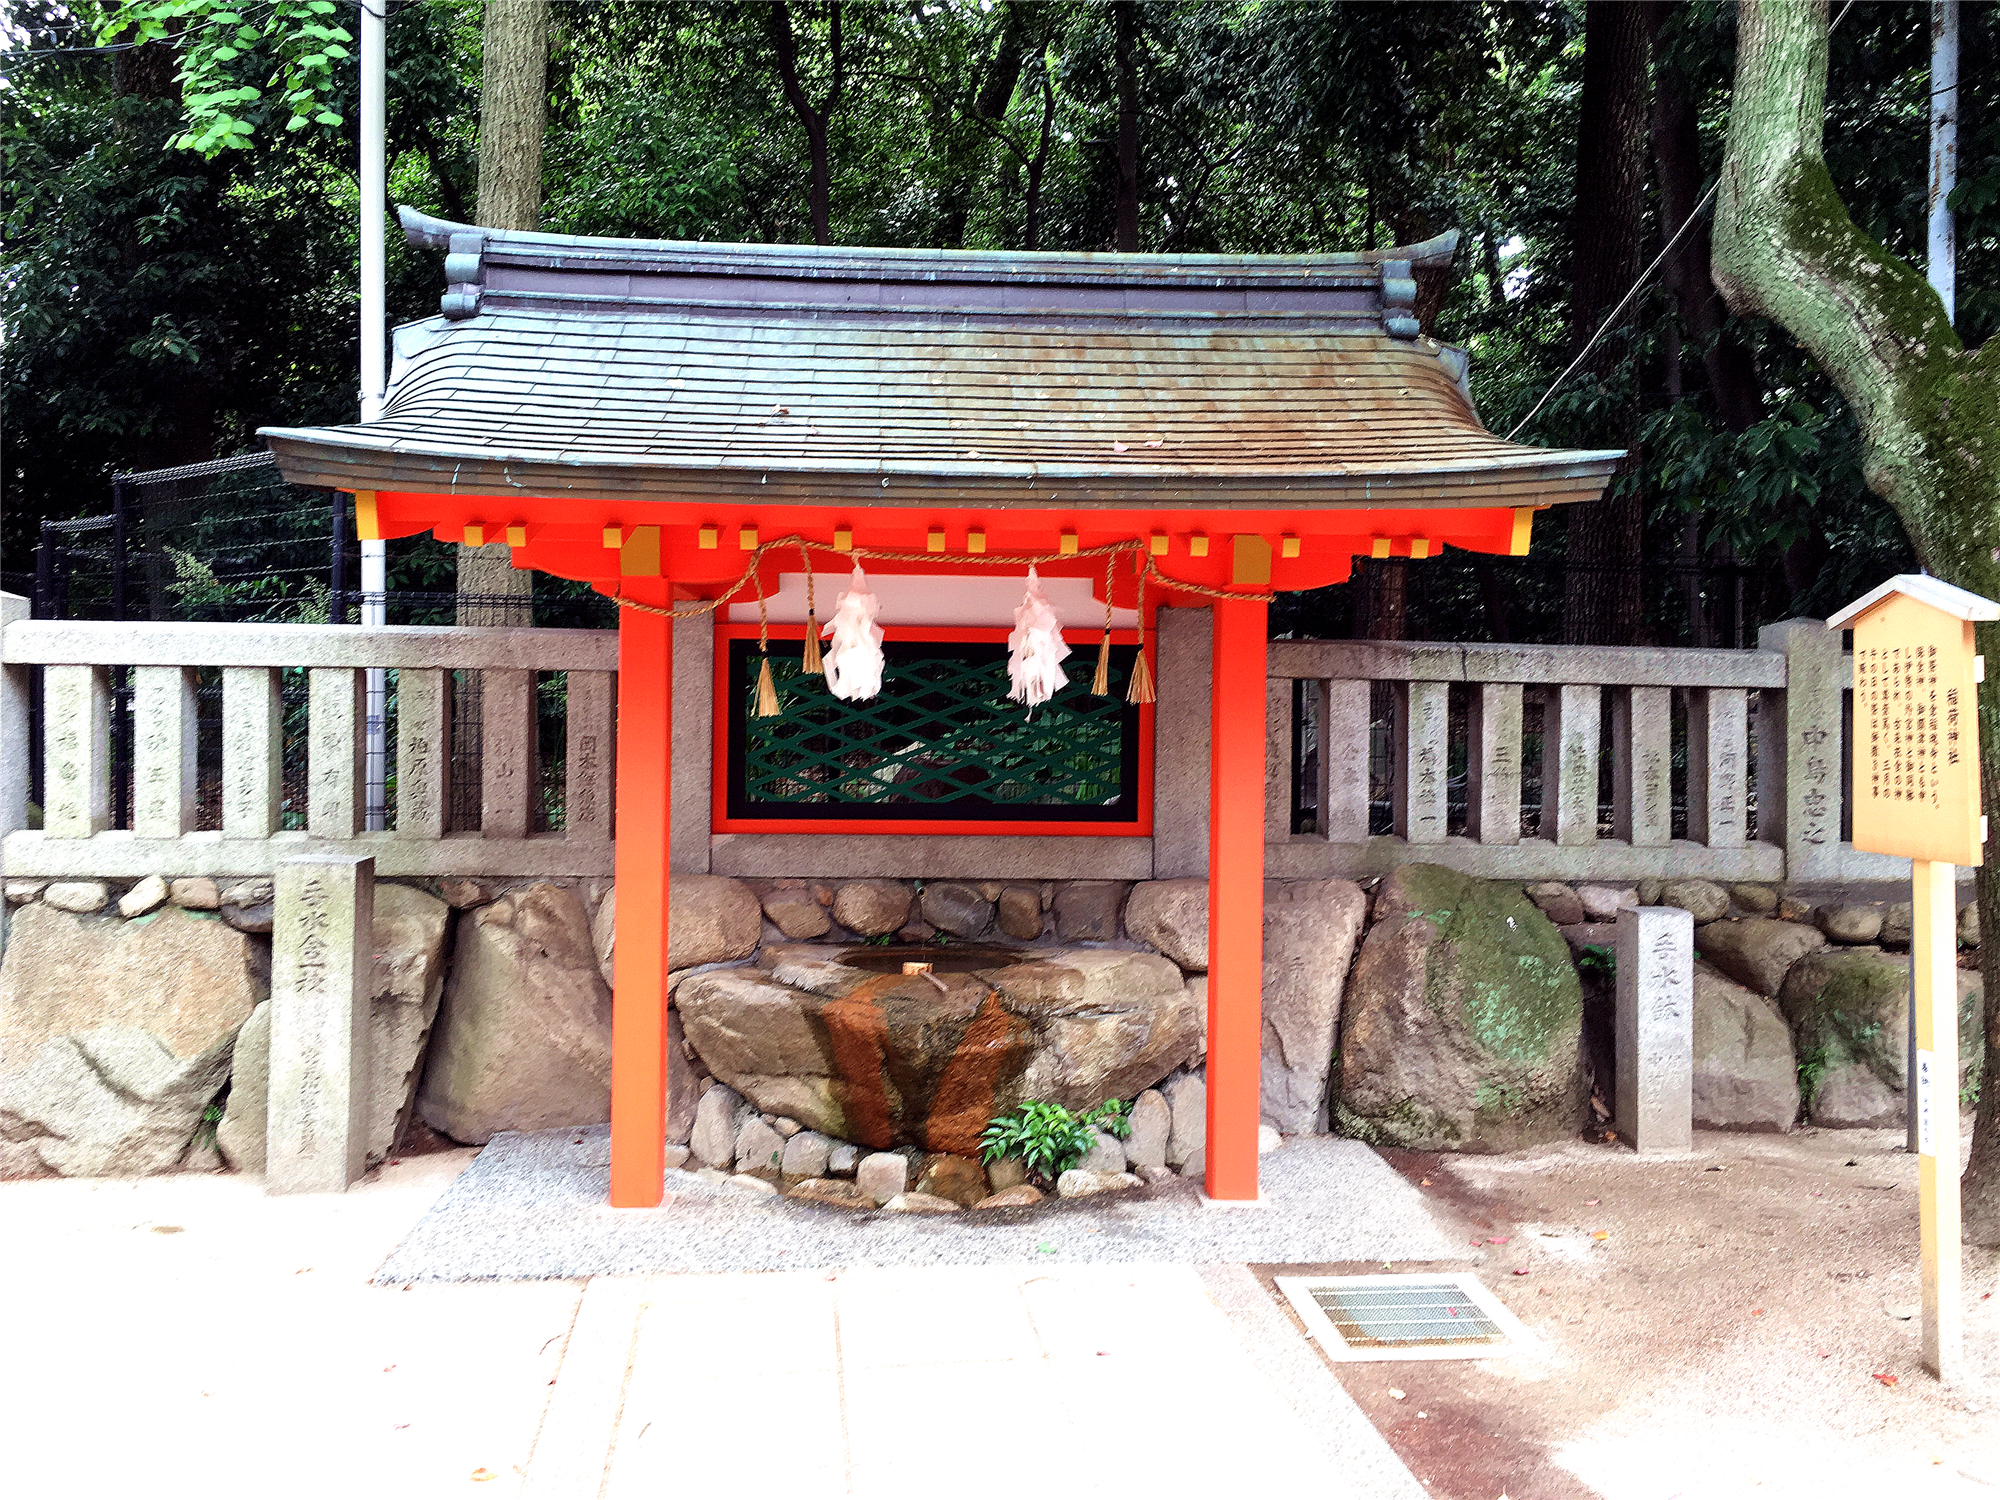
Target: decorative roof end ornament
x: 1035, y: 648
x: 463, y: 274
x: 1399, y: 299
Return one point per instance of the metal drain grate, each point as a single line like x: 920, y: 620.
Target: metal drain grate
x: 1412, y: 1316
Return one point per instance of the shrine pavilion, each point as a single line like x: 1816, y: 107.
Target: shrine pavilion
x: 682, y: 424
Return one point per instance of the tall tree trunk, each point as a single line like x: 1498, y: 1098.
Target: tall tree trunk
x: 971, y: 146
x: 1726, y: 360
x: 1125, y: 18
x: 813, y: 119
x: 513, y: 106
x: 513, y: 113
x: 1928, y: 408
x: 1603, y: 597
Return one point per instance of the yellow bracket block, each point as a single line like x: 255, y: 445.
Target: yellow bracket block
x: 1250, y: 561
x: 706, y: 538
x: 1158, y: 543
x: 934, y: 542
x: 1524, y: 529
x: 517, y: 535
x: 640, y: 556
x: 975, y: 541
x: 475, y: 536
x: 1420, y: 546
x: 843, y: 538
x: 1288, y: 546
x: 367, y: 524
x: 746, y: 537
x: 1066, y: 544
x: 1198, y: 545
x: 614, y: 537
x: 1378, y: 546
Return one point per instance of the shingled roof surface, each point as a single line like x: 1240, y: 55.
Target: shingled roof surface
x: 661, y: 370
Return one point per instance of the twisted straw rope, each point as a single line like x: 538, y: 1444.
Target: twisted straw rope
x: 1145, y: 569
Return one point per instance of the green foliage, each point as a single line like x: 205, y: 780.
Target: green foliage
x: 1597, y: 958
x: 1049, y: 1139
x: 242, y: 68
x: 1812, y: 1065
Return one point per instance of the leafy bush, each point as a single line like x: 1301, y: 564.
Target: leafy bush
x: 1049, y: 1139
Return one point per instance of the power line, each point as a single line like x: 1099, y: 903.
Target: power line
x: 1624, y: 302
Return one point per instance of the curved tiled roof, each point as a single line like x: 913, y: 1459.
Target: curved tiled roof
x: 662, y: 370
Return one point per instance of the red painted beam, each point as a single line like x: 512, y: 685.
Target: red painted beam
x: 639, y: 957
x: 1236, y: 897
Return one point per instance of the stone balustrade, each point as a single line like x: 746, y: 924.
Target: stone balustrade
x: 77, y: 659
x: 1759, y: 740
x: 1492, y: 760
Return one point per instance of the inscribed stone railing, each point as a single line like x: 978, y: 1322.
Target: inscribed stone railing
x: 1761, y: 768
x: 77, y: 660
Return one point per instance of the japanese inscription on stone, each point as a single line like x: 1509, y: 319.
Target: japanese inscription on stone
x: 1916, y: 747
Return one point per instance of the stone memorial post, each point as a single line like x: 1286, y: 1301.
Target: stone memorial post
x: 1655, y: 1028
x: 322, y: 942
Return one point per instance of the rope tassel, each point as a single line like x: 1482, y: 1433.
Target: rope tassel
x: 812, y: 662
x: 767, y: 692
x: 1141, y: 690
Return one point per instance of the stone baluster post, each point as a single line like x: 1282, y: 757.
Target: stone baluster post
x: 1798, y: 750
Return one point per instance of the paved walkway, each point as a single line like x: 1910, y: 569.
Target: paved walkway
x: 188, y: 1335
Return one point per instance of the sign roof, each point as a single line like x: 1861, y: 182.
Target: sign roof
x: 1926, y: 590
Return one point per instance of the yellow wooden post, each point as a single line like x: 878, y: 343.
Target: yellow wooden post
x: 1916, y: 793
x: 1934, y: 945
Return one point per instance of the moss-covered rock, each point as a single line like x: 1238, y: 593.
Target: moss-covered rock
x: 1462, y: 1026
x: 1849, y: 1013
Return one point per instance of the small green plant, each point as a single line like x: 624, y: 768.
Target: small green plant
x: 1597, y: 958
x: 1813, y: 1063
x: 1049, y: 1139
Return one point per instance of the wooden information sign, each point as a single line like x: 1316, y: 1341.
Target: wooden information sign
x: 1916, y: 793
x: 1916, y: 756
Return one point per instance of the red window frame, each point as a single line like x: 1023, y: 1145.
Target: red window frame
x: 1082, y: 643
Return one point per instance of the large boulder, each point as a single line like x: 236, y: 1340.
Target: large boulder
x: 524, y: 1034
x: 1849, y: 1013
x: 112, y: 1101
x: 405, y: 983
x: 1310, y: 929
x: 1172, y: 915
x: 711, y: 919
x: 1463, y: 1024
x: 1757, y: 951
x: 181, y: 976
x: 928, y: 1060
x: 1745, y: 1077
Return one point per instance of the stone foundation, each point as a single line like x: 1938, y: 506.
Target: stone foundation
x: 171, y: 974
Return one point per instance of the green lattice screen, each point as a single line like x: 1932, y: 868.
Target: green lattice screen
x: 941, y: 741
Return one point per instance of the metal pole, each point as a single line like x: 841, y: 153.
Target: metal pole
x: 374, y: 318
x: 1943, y: 247
x: 1942, y: 269
x: 118, y: 499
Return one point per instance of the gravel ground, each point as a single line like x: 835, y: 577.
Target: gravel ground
x: 1728, y: 1336
x: 533, y: 1206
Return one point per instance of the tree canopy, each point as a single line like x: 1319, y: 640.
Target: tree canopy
x: 173, y: 281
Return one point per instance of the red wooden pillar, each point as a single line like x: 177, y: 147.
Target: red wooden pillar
x: 1236, y: 897
x: 639, y: 957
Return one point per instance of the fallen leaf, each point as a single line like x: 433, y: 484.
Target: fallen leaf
x: 1756, y: 1312
x: 972, y: 453
x: 1152, y: 442
x: 1500, y: 1241
x: 1394, y: 1394
x: 1045, y: 1248
x: 783, y: 411
x: 1521, y: 1271
x: 1600, y: 1234
x: 1590, y: 1203
x: 1885, y: 1377
x: 1425, y: 1183
x: 1826, y: 1354
x: 480, y: 1476
x: 1118, y: 448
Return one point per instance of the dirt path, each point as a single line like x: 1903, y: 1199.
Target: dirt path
x: 1724, y: 1337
